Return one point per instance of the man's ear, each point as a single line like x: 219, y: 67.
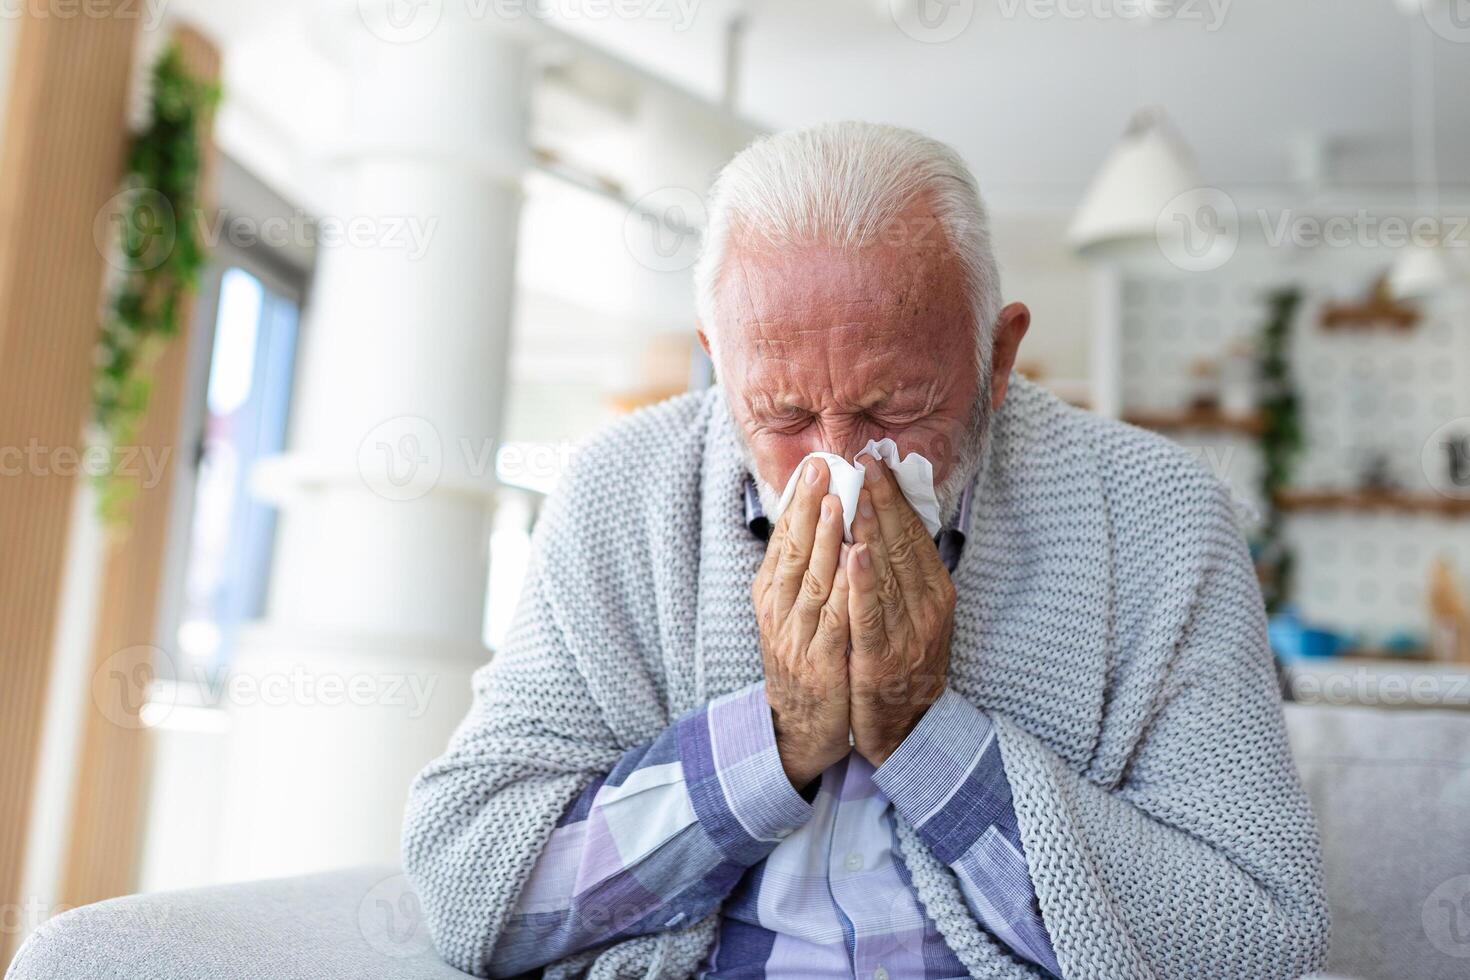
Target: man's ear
x: 1010, y: 328
x: 703, y: 340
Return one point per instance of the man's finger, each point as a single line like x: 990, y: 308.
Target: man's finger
x: 865, y: 528
x: 832, y: 637
x: 816, y: 582
x: 912, y: 555
x: 800, y: 530
x: 864, y: 607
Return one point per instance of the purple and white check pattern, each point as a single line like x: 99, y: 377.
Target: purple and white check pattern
x: 705, y: 815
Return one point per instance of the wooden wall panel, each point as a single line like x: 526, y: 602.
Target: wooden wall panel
x: 62, y: 155
x: 112, y: 775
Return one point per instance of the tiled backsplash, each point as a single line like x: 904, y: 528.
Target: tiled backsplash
x: 1366, y: 393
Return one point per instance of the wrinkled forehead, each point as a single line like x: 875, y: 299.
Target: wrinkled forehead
x: 786, y: 304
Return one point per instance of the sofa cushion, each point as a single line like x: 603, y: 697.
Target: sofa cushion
x: 1392, y: 795
x: 360, y: 924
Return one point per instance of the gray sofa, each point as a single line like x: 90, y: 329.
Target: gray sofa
x: 1392, y: 791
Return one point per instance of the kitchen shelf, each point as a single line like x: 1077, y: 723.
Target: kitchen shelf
x: 1360, y: 501
x: 1377, y: 312
x: 1377, y: 309
x: 1194, y: 418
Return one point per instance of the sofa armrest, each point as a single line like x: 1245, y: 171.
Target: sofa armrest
x: 1391, y: 790
x: 360, y: 924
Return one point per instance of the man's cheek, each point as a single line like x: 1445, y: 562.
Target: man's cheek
x: 777, y: 457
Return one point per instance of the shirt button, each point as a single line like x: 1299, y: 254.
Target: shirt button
x: 880, y: 974
x: 854, y: 862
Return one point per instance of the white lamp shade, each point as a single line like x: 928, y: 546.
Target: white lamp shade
x: 1147, y: 169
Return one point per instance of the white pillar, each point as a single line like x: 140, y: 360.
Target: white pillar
x: 361, y: 669
x: 678, y: 146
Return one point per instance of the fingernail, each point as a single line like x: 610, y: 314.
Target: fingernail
x: 826, y: 510
x: 811, y: 473
x: 870, y: 472
x: 865, y: 559
x: 865, y: 508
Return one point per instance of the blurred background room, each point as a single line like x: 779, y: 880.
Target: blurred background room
x: 306, y: 304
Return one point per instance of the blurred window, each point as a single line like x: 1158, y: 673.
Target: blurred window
x: 226, y: 561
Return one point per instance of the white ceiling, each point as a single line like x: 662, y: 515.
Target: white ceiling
x: 1031, y: 95
x: 1034, y: 102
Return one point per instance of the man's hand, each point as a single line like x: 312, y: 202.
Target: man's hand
x: 901, y: 606
x: 801, y: 606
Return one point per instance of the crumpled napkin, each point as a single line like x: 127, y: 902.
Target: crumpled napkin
x: 914, y: 473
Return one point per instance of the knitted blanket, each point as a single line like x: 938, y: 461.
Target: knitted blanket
x: 1108, y: 620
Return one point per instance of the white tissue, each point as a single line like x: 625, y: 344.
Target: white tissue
x: 914, y: 473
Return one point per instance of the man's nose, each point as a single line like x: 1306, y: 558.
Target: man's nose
x: 845, y: 437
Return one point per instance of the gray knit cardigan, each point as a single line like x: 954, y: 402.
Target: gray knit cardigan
x: 1108, y: 620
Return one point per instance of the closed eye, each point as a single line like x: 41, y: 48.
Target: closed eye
x: 896, y: 420
x: 788, y: 422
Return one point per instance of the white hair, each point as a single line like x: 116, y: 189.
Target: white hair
x: 847, y: 184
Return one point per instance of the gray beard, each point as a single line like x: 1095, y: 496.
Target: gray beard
x: 968, y: 459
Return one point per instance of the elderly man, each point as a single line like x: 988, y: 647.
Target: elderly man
x: 1046, y: 742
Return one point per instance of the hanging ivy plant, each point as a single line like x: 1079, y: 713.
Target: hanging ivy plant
x: 1281, y: 442
x: 152, y: 244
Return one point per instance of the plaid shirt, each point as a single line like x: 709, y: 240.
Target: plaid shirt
x: 703, y: 817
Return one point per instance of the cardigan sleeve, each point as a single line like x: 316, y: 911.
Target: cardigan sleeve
x: 480, y: 817
x: 579, y: 680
